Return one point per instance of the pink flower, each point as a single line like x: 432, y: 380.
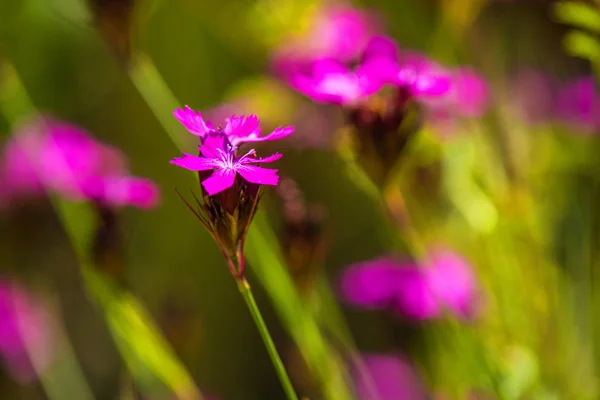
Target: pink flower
x: 416, y: 292
x: 330, y: 81
x: 50, y: 155
x: 218, y: 154
x: 390, y: 377
x: 242, y: 129
x: 24, y: 329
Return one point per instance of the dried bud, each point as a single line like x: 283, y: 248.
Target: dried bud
x: 108, y: 250
x: 384, y: 124
x: 304, y: 238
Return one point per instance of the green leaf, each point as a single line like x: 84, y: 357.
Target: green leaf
x: 578, y: 14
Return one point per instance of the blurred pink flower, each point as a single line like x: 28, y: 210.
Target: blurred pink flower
x: 390, y: 377
x: 416, y: 292
x: 24, y: 329
x: 50, y: 155
x: 338, y: 32
x: 579, y: 104
x: 331, y: 81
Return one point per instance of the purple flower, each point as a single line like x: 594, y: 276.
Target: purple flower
x: 414, y: 291
x: 242, y: 129
x: 330, y: 81
x: 50, y: 155
x: 579, y: 104
x: 24, y: 330
x: 231, y: 182
x: 389, y: 377
x: 387, y: 283
x: 226, y: 164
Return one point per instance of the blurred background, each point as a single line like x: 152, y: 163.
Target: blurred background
x: 505, y: 198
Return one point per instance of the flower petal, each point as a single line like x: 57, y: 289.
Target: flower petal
x: 381, y: 48
x: 262, y: 176
x: 212, y: 142
x: 194, y: 163
x: 431, y: 85
x: 220, y: 180
x: 242, y: 127
x: 271, y: 158
x: 192, y: 120
x: 278, y: 133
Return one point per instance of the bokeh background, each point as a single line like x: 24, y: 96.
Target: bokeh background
x: 514, y: 191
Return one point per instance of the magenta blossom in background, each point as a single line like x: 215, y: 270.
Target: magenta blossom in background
x: 24, y: 329
x: 415, y: 292
x: 242, y: 129
x: 579, y: 104
x: 330, y: 81
x: 389, y: 377
x: 50, y: 155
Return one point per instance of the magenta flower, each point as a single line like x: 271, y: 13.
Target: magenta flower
x: 389, y: 377
x: 24, y: 329
x: 242, y: 129
x: 223, y: 160
x: 387, y: 283
x: 330, y: 81
x: 231, y: 182
x: 50, y: 155
x: 579, y: 104
x: 416, y: 292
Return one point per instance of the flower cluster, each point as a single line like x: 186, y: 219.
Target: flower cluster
x: 417, y: 292
x: 385, y: 96
x: 230, y: 179
x: 47, y: 155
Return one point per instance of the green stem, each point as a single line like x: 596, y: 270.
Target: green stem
x: 246, y: 292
